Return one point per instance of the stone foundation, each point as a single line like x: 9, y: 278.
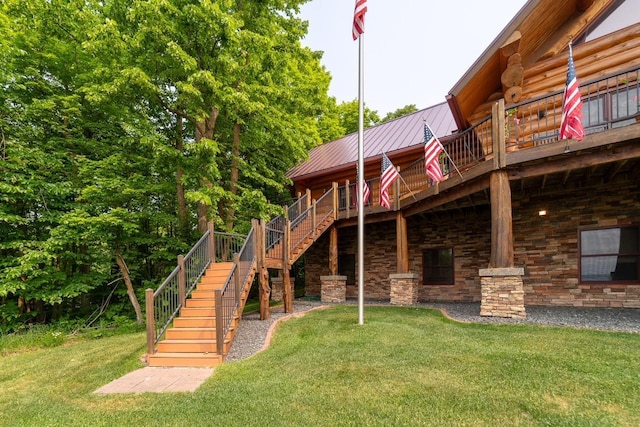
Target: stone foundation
x: 333, y: 289
x: 502, y: 293
x: 404, y: 288
x: 277, y: 289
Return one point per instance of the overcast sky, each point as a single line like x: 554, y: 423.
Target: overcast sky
x: 415, y: 50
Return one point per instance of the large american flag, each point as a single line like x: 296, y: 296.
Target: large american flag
x: 571, y: 124
x: 388, y: 175
x: 358, y: 18
x: 432, y: 150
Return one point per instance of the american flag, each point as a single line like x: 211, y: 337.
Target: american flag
x: 571, y: 124
x: 358, y: 18
x: 432, y: 150
x: 366, y: 193
x: 388, y: 175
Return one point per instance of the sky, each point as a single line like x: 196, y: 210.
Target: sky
x: 415, y: 51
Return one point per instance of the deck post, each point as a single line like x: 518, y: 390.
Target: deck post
x: 313, y: 220
x: 148, y: 293
x: 308, y: 198
x: 347, y: 198
x: 396, y: 191
x: 286, y: 283
x: 211, y: 242
x: 237, y: 278
x: 499, y: 140
x: 333, y: 251
x: 219, y: 322
x: 501, y: 221
x: 264, y: 291
x: 402, y: 247
x: 335, y: 201
x: 182, y: 281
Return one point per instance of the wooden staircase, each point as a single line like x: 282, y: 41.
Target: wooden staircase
x: 192, y: 339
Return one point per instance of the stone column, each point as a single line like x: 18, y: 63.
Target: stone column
x: 404, y: 288
x: 502, y: 293
x: 277, y: 289
x: 333, y: 289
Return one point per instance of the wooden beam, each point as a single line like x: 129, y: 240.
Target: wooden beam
x: 333, y: 251
x: 501, y: 221
x: 287, y: 290
x: 402, y: 246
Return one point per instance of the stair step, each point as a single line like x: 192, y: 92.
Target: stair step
x: 184, y: 359
x: 194, y: 322
x: 197, y: 312
x: 187, y: 346
x: 198, y: 294
x: 200, y: 303
x: 190, y: 333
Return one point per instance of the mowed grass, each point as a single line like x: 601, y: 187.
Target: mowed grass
x: 403, y: 367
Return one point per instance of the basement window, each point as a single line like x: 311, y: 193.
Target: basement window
x: 437, y: 266
x: 610, y: 254
x: 347, y: 267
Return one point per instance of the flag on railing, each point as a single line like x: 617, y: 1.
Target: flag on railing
x: 571, y: 124
x: 387, y: 176
x: 358, y: 18
x: 366, y: 193
x: 432, y: 150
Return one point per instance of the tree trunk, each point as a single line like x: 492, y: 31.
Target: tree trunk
x: 182, y: 203
x: 233, y: 184
x: 127, y: 281
x: 205, y: 129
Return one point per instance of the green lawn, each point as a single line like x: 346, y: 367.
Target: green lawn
x: 405, y: 366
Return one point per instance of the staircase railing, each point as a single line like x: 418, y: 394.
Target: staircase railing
x: 228, y: 299
x: 164, y: 304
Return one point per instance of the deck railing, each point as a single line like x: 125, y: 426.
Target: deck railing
x: 228, y: 298
x: 164, y: 304
x: 608, y: 102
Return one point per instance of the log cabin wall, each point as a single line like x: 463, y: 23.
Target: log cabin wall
x: 606, y: 55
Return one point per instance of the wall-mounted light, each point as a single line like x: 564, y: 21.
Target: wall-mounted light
x: 542, y: 212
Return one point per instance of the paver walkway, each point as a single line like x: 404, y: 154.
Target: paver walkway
x: 158, y: 380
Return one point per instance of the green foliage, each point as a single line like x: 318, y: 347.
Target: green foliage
x: 117, y: 121
x: 349, y: 116
x: 400, y: 112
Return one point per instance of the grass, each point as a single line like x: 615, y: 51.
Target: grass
x: 404, y: 366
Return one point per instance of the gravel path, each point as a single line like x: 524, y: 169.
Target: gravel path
x: 253, y: 332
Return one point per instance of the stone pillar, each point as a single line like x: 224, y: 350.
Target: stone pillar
x: 277, y: 289
x: 502, y: 293
x: 333, y: 289
x: 404, y: 288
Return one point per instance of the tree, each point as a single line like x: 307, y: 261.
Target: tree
x: 407, y: 109
x: 349, y: 116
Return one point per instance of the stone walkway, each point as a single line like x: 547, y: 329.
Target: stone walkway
x: 158, y: 380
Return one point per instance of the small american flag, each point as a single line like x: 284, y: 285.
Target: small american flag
x: 358, y: 18
x: 432, y: 150
x: 366, y: 192
x: 388, y: 175
x: 571, y: 124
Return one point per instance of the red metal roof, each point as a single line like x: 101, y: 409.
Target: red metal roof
x: 387, y: 137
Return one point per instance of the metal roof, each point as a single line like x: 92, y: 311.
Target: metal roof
x: 387, y: 137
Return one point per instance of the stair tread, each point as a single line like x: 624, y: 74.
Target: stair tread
x: 211, y: 355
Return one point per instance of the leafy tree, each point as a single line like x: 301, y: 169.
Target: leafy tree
x: 349, y: 116
x: 407, y: 109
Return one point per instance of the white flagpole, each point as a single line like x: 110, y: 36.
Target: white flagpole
x: 360, y: 180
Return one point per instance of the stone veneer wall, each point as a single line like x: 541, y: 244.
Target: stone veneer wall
x: 546, y: 247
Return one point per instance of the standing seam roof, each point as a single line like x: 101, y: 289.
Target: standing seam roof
x: 386, y: 137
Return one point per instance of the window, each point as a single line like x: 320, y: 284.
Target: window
x: 437, y: 266
x: 347, y: 267
x: 609, y: 254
